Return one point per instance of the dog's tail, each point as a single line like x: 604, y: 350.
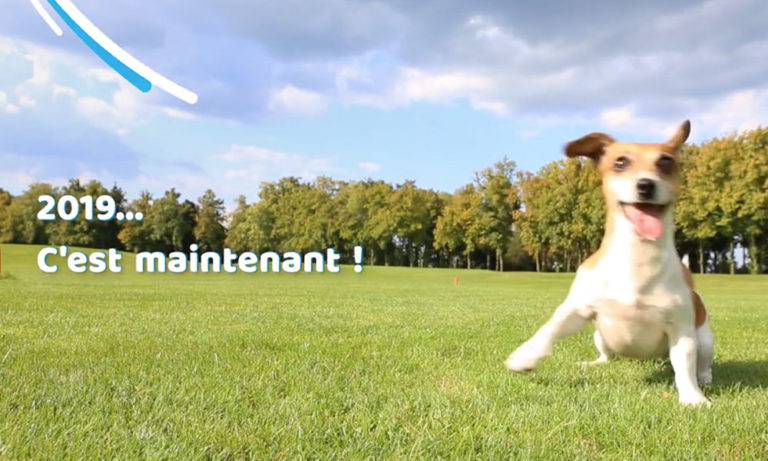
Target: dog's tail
x: 686, y: 261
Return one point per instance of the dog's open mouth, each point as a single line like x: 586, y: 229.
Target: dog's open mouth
x: 646, y: 218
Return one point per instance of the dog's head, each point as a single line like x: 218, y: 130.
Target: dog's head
x: 640, y: 180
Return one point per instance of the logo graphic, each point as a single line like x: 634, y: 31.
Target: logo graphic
x: 130, y: 68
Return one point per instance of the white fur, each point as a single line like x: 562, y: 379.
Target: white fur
x: 624, y: 188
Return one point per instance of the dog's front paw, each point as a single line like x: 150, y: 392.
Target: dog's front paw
x: 602, y: 360
x: 694, y: 399
x: 521, y: 361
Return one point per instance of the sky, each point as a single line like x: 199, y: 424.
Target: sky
x: 430, y: 91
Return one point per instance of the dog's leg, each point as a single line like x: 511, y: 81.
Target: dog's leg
x: 704, y: 353
x: 566, y: 321
x: 605, y: 354
x: 683, y: 355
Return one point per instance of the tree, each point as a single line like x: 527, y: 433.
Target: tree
x: 171, y: 223
x: 237, y: 233
x: 530, y: 222
x: 360, y: 206
x: 20, y: 223
x: 410, y: 216
x: 305, y: 217
x: 93, y: 233
x: 699, y: 212
x: 563, y: 216
x: 746, y: 195
x: 137, y: 235
x: 5, y: 202
x: 380, y: 227
x: 209, y: 230
x: 458, y: 228
x: 500, y: 201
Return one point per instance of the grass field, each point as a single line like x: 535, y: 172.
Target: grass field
x: 391, y: 363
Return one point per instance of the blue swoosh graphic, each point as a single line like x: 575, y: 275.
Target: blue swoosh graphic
x: 126, y: 72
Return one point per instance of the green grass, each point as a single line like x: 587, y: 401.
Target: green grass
x: 391, y: 363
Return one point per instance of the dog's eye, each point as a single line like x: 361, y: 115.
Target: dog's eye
x: 620, y: 164
x: 665, y: 164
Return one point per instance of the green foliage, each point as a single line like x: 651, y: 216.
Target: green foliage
x: 500, y: 202
x: 81, y: 232
x: 5, y: 228
x: 209, y: 228
x: 479, y: 216
x: 563, y: 219
x: 362, y: 216
x: 237, y: 235
x: 458, y: 228
x: 171, y: 223
x: 411, y: 213
x: 19, y: 217
x: 724, y: 198
x: 137, y: 235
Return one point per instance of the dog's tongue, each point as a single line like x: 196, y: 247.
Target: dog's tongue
x: 646, y: 218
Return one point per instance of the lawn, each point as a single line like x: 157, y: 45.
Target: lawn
x: 390, y: 363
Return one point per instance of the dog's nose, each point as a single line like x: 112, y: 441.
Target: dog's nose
x: 646, y: 188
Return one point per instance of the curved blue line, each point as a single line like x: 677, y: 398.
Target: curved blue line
x: 129, y: 74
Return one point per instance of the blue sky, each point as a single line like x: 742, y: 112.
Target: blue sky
x: 430, y: 90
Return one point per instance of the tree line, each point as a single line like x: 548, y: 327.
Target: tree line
x: 502, y: 220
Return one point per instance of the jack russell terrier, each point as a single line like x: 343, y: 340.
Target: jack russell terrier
x: 634, y: 287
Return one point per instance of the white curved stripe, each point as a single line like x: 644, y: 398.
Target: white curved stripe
x: 113, y: 48
x: 46, y: 17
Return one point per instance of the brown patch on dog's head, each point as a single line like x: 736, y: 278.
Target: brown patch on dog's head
x: 592, y: 146
x: 641, y: 178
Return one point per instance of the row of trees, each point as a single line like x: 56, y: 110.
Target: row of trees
x: 396, y: 224
x: 723, y: 206
x: 402, y: 224
x: 503, y: 219
x: 170, y: 224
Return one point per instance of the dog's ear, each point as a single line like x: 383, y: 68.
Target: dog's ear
x: 677, y: 139
x: 592, y: 145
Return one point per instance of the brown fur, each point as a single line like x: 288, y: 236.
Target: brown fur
x: 699, y: 310
x: 592, y: 145
x: 593, y: 259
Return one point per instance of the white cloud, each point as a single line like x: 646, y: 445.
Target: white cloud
x: 61, y: 90
x: 356, y: 85
x: 120, y: 114
x: 7, y: 106
x: 736, y: 111
x: 417, y: 85
x: 102, y: 74
x: 496, y: 107
x: 290, y: 100
x: 42, y: 59
x: 254, y: 163
x: 516, y: 60
x: 16, y: 181
x: 369, y: 167
x: 740, y: 110
x: 26, y: 101
x: 180, y: 114
x: 618, y: 117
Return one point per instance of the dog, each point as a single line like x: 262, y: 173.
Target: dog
x: 635, y: 287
